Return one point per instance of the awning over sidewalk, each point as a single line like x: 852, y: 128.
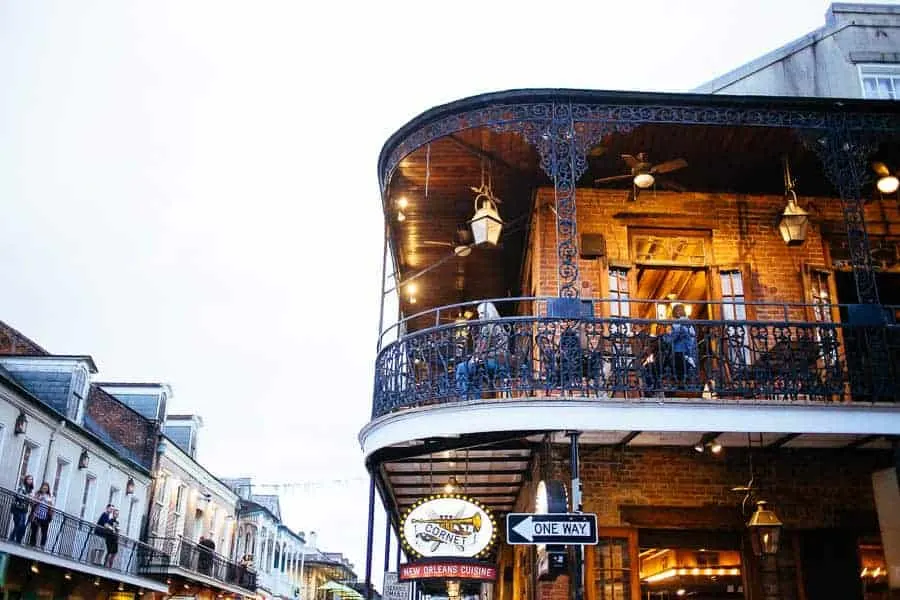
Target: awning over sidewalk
x: 343, y: 591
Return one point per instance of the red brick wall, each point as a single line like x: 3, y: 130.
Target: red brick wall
x: 123, y: 425
x: 808, y: 489
x: 13, y: 342
x: 744, y: 231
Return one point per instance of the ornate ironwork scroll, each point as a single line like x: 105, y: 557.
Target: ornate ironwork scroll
x: 562, y: 144
x: 845, y: 154
x: 563, y: 131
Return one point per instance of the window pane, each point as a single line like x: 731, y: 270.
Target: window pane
x: 726, y: 284
x: 870, y: 89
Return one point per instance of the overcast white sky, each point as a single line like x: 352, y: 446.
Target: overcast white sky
x: 188, y: 189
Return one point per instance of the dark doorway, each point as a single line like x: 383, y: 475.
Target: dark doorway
x: 888, y: 288
x: 830, y: 565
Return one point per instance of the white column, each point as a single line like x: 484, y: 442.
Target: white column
x: 887, y: 505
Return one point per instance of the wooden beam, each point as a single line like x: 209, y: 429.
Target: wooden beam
x: 486, y: 484
x: 783, y: 440
x: 463, y: 459
x: 862, y: 441
x: 504, y: 440
x: 490, y: 156
x: 627, y: 439
x: 447, y: 472
x: 511, y: 494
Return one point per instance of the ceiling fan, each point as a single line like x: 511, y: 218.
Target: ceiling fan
x: 645, y: 174
x: 462, y: 241
x: 887, y: 182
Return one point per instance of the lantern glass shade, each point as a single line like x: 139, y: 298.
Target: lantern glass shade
x: 83, y: 460
x: 21, y: 424
x: 486, y: 223
x: 765, y: 530
x: 129, y: 487
x: 794, y: 224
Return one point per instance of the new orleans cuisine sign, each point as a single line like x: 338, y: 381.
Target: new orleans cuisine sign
x: 448, y: 526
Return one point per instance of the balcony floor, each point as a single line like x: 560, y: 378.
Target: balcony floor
x: 588, y: 415
x: 34, y: 554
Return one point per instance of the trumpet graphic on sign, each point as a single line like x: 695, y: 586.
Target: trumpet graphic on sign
x: 446, y: 529
x: 448, y: 526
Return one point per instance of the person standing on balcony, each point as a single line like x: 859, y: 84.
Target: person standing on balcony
x: 490, y: 352
x: 205, y: 557
x: 42, y: 514
x: 683, y: 341
x: 107, y: 528
x: 20, y: 504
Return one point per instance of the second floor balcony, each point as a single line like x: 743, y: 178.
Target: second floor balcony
x: 195, y: 563
x: 73, y: 544
x: 551, y: 347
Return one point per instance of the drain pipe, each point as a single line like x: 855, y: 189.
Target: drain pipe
x: 57, y: 429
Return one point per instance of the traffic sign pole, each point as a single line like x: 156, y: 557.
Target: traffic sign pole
x: 578, y: 551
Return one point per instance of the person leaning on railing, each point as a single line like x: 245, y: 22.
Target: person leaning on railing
x: 490, y: 350
x: 21, y: 503
x: 42, y: 514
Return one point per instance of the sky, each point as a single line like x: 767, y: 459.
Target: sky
x: 188, y: 190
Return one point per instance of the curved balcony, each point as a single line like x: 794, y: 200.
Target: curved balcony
x: 550, y: 347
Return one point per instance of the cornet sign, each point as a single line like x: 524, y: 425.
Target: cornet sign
x: 448, y: 525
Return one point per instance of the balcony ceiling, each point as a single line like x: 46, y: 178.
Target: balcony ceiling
x: 720, y: 159
x: 494, y: 474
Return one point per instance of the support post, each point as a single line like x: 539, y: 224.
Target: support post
x: 387, y: 541
x: 578, y: 551
x: 398, y: 554
x: 369, y: 537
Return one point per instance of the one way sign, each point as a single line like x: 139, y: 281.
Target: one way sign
x: 553, y: 528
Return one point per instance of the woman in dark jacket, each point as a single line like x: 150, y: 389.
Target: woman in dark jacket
x: 20, y: 505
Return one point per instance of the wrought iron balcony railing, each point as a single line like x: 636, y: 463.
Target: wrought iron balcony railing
x: 178, y: 552
x: 566, y: 350
x: 66, y: 536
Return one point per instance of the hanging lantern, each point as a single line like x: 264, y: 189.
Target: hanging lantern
x: 794, y: 223
x: 83, y: 459
x: 21, y: 424
x: 129, y: 487
x: 765, y: 530
x: 486, y: 224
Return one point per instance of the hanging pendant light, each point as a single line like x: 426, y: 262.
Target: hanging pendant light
x: 765, y: 530
x: 486, y: 224
x: 794, y: 221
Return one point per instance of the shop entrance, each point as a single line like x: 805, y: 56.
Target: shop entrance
x: 690, y: 564
x: 443, y: 589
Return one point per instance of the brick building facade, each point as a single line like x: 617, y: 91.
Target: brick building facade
x: 647, y: 293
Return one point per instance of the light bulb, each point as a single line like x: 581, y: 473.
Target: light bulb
x: 888, y: 184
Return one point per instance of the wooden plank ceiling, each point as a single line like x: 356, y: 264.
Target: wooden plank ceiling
x: 494, y: 475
